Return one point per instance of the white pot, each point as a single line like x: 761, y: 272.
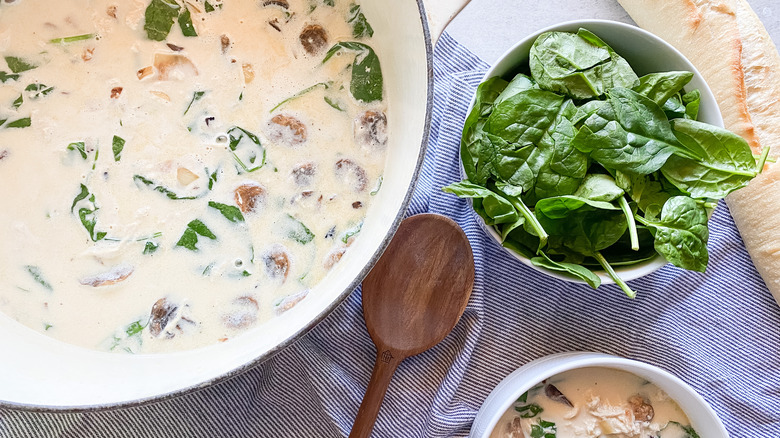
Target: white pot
x: 40, y: 373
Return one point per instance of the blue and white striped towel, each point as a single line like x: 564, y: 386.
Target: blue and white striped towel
x: 720, y: 332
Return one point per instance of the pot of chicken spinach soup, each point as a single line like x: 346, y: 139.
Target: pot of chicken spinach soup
x: 189, y: 185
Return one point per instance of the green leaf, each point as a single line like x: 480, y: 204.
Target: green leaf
x: 599, y: 187
x: 231, y: 213
x: 159, y: 18
x: 360, y: 26
x: 334, y: 103
x: 73, y: 39
x: 495, y: 209
x: 185, y: 23
x: 659, y: 87
x: 570, y: 269
x: 631, y: 133
x: 195, y: 97
x: 518, y: 84
x: 117, y: 145
x: 241, y: 145
x: 37, y: 275
x: 86, y: 214
x: 727, y: 163
x: 472, y: 137
x: 645, y: 190
x: 18, y: 65
x: 529, y: 411
x: 367, y: 82
x: 162, y: 189
x: 681, y: 234
x: 189, y: 238
x: 79, y: 147
x: 351, y: 232
x: 18, y: 102
x: 297, y: 231
x: 578, y: 65
x: 324, y: 85
x: 544, y: 429
x: 211, y: 8
x: 5, y: 76
x: 36, y: 91
x: 21, y: 123
x: 151, y: 248
x: 692, y: 101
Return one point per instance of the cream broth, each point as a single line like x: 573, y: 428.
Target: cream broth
x: 594, y: 403
x: 170, y: 194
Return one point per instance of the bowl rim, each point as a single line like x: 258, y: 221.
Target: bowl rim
x: 630, y: 272
x: 524, y: 378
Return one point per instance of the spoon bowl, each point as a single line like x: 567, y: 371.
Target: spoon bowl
x: 412, y: 299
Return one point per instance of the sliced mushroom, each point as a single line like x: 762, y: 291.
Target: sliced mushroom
x: 314, y: 38
x: 371, y: 129
x: 643, y: 410
x: 334, y: 256
x: 303, y: 174
x: 163, y: 311
x: 88, y: 54
x: 174, y: 47
x: 249, y: 197
x: 281, y: 3
x: 290, y: 301
x: 243, y: 313
x: 554, y: 394
x: 185, y: 176
x: 277, y: 263
x: 287, y: 130
x: 173, y: 66
x: 116, y: 92
x: 351, y: 174
x: 161, y: 95
x: 144, y: 72
x: 224, y: 42
x: 115, y: 275
x: 111, y: 11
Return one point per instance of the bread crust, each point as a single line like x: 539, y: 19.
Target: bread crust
x: 730, y: 47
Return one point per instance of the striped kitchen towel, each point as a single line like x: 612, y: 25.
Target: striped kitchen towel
x: 720, y: 332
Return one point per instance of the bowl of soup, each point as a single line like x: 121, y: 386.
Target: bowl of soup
x: 593, y: 395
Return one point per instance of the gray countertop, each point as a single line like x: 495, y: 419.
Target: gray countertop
x: 489, y: 27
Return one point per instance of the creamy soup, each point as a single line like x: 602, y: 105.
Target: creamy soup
x: 173, y: 172
x: 594, y: 403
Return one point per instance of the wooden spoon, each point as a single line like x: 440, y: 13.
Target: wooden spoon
x: 412, y: 299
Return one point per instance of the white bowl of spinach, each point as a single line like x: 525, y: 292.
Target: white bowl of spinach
x: 595, y: 152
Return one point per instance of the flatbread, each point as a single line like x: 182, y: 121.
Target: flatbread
x: 730, y: 47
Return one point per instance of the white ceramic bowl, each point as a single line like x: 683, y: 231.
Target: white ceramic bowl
x: 647, y: 54
x: 703, y: 418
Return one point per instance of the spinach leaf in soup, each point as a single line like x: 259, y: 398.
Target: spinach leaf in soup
x: 681, y: 233
x: 5, y: 76
x: 185, y: 23
x: 159, y: 18
x: 189, y: 238
x: 580, y: 65
x: 37, y: 275
x: 631, y: 133
x: 25, y: 122
x: 659, y: 87
x: 297, y: 231
x: 727, y: 163
x: 230, y: 212
x: 18, y: 65
x: 247, y: 150
x: 360, y: 26
x: 87, y: 209
x: 367, y: 82
x: 170, y: 194
x: 117, y: 146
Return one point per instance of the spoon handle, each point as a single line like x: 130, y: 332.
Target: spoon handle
x: 384, y: 368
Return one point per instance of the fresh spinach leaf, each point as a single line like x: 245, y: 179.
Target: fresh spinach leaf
x: 494, y: 208
x: 18, y: 65
x: 573, y: 270
x: 185, y: 23
x: 367, y: 82
x: 519, y: 83
x: 360, y: 26
x: 579, y: 65
x: 231, y: 213
x: 645, y: 190
x: 692, y: 101
x: 631, y: 133
x: 681, y: 233
x: 117, y: 145
x: 727, y: 163
x: 37, y: 275
x: 240, y: 145
x: 189, y: 238
x: 162, y: 189
x: 599, y: 187
x: 659, y: 87
x: 159, y: 18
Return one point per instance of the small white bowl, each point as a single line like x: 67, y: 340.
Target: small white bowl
x: 647, y: 54
x: 703, y: 418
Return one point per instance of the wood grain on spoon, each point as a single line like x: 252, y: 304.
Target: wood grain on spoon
x: 412, y: 299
